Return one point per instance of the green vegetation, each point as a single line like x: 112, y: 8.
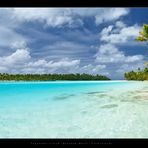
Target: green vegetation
x: 137, y: 75
x: 51, y: 77
x: 140, y: 74
x: 143, y: 34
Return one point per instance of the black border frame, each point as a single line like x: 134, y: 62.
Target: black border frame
x: 74, y: 3
x: 72, y: 141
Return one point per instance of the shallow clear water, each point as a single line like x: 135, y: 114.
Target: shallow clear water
x: 74, y: 109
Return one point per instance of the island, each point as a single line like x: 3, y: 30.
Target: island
x: 50, y: 77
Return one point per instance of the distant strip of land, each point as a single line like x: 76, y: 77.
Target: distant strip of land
x: 50, y: 77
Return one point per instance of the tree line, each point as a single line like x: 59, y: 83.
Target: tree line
x: 140, y: 75
x: 51, y: 77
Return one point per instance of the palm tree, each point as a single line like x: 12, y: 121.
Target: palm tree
x: 143, y: 34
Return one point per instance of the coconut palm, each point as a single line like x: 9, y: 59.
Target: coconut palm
x: 143, y: 34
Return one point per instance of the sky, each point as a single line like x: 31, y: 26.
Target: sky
x: 72, y: 40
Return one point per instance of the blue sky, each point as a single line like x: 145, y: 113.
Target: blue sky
x: 72, y: 40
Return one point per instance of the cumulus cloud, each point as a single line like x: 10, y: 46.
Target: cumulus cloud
x: 51, y: 64
x: 111, y: 14
x: 18, y: 57
x: 109, y: 53
x: 119, y: 33
x: 92, y: 69
x: 21, y: 62
x: 64, y: 65
x: 120, y: 24
x: 14, y: 61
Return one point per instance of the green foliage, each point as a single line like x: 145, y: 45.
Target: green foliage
x: 143, y: 34
x: 141, y: 39
x: 147, y: 64
x: 140, y: 75
x: 50, y: 77
x: 137, y: 75
x: 146, y: 70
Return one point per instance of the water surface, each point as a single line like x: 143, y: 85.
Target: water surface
x: 74, y: 109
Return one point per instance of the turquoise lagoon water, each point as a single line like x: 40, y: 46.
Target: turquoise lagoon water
x: 74, y: 109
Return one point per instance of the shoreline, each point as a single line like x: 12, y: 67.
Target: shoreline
x: 72, y: 81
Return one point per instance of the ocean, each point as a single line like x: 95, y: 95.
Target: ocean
x: 74, y: 109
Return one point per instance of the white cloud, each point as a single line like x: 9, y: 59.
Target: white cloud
x: 106, y: 31
x: 57, y: 17
x: 120, y: 33
x: 109, y: 53
x: 54, y: 17
x: 14, y: 61
x: 97, y: 68
x: 120, y: 24
x: 120, y: 71
x: 129, y: 67
x: 18, y: 57
x: 134, y: 58
x: 21, y: 62
x: 11, y: 19
x: 65, y: 63
x: 10, y: 38
x: 92, y: 69
x: 111, y: 14
x: 51, y: 64
x: 62, y: 66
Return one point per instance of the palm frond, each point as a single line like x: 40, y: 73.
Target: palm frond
x: 143, y: 34
x: 141, y: 39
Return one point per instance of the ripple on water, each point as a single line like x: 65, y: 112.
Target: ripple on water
x: 63, y: 97
x: 139, y: 96
x: 84, y: 112
x: 96, y: 92
x: 109, y: 106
